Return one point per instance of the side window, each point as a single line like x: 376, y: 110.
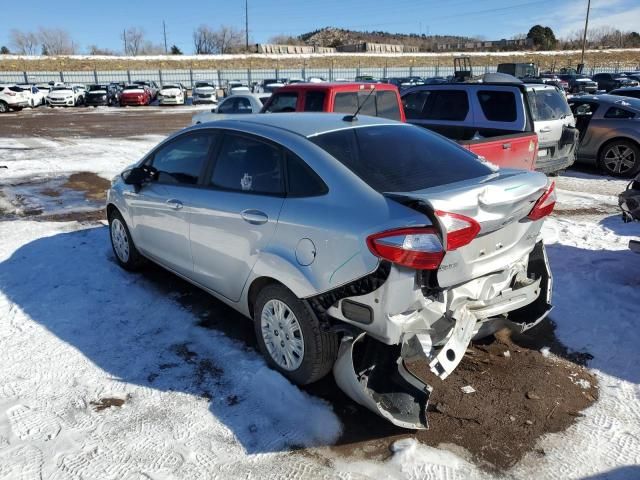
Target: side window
x: 583, y: 109
x: 388, y: 107
x: 248, y: 165
x: 498, y: 106
x: 616, y: 112
x: 448, y: 105
x: 243, y: 105
x: 414, y: 104
x: 367, y: 102
x: 283, y: 102
x: 227, y: 106
x: 302, y: 181
x: 314, y: 101
x: 182, y: 160
x: 345, y: 102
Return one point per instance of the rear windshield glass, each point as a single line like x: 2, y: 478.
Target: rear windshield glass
x: 548, y: 104
x: 400, y: 158
x: 498, y: 106
x: 378, y: 104
x: 282, y: 102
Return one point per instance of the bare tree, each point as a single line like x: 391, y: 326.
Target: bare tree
x: 24, y: 43
x: 285, y: 40
x: 56, y: 41
x: 134, y: 40
x: 227, y: 39
x: 150, y: 48
x: 203, y: 40
x: 95, y: 50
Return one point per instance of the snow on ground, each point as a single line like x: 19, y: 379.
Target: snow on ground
x: 76, y: 329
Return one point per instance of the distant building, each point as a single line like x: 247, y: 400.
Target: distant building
x: 369, y: 47
x: 291, y: 49
x: 485, y: 45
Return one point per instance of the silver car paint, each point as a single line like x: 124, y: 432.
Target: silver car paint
x: 208, y: 242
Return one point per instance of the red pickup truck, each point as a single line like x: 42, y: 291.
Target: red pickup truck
x: 384, y: 99
x: 492, y: 120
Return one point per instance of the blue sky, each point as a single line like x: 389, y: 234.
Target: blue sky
x: 101, y: 23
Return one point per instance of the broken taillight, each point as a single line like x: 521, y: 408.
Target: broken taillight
x: 544, y: 205
x: 461, y: 230
x: 418, y: 248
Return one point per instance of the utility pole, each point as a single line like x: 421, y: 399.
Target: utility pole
x: 164, y: 32
x: 584, y: 37
x: 246, y: 24
x: 124, y: 37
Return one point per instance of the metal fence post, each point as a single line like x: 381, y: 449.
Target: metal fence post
x: 26, y: 77
x: 61, y: 77
x: 248, y: 76
x: 411, y: 70
x: 160, y: 76
x: 191, y: 77
x: 384, y: 70
x: 128, y: 76
x: 331, y: 72
x: 219, y: 78
x: 304, y: 69
x: 95, y: 75
x: 437, y: 70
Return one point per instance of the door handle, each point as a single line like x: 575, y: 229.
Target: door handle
x: 506, y: 146
x: 254, y: 217
x: 175, y: 204
x: 545, y: 130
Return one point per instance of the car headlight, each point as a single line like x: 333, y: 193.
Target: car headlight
x: 104, y: 97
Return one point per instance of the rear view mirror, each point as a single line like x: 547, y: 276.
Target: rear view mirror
x: 138, y: 175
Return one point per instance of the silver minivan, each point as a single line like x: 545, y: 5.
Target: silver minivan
x: 555, y: 126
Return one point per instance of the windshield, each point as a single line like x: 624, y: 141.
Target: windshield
x: 400, y: 158
x: 62, y: 88
x: 203, y: 84
x: 170, y: 86
x: 93, y: 88
x: 548, y: 104
x: 133, y: 87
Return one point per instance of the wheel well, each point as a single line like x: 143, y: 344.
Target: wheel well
x: 110, y: 209
x: 616, y: 139
x: 257, y: 285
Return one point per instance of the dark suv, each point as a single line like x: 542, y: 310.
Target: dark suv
x: 102, y: 94
x: 578, y: 83
x: 611, y: 81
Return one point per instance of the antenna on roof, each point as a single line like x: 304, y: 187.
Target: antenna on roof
x: 354, y: 117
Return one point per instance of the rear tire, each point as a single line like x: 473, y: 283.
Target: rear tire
x: 4, y: 108
x: 620, y: 158
x: 124, y: 249
x: 290, y: 336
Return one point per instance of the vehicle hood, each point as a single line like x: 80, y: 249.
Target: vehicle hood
x: 136, y: 91
x: 60, y: 93
x: 204, y: 90
x: 97, y: 92
x: 584, y: 80
x: 170, y: 91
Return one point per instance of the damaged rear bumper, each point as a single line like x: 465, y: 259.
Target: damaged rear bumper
x: 373, y: 371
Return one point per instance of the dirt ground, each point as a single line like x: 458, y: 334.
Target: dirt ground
x: 520, y: 393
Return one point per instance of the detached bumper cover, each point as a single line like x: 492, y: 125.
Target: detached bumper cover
x: 374, y: 374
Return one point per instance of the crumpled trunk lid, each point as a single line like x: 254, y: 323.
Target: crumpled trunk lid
x: 500, y: 203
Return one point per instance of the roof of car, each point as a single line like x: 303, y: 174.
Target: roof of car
x: 632, y: 103
x: 305, y: 124
x: 342, y: 86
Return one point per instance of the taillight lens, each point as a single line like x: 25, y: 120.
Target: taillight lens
x: 418, y: 248
x: 461, y: 230
x: 544, y: 205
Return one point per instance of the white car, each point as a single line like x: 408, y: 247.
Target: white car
x: 235, y: 104
x: 64, y: 96
x: 36, y: 96
x: 204, y: 92
x: 12, y: 98
x: 172, y: 94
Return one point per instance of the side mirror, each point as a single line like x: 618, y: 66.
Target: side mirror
x: 139, y: 175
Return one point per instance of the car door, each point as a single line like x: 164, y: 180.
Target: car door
x: 235, y: 218
x: 161, y: 208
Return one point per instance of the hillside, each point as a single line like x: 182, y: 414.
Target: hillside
x: 333, y: 37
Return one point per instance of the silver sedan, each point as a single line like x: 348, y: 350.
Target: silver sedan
x: 354, y: 244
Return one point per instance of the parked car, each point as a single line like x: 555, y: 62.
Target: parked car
x: 151, y: 86
x: 135, y: 94
x: 36, y: 97
x: 172, y: 94
x: 629, y: 202
x: 242, y: 103
x: 611, y: 81
x: 12, y: 98
x: 65, y: 96
x: 633, y: 92
x: 353, y: 244
x: 554, y: 123
x: 609, y: 128
x: 378, y: 100
x: 578, y: 83
x: 45, y: 88
x: 366, y: 79
x: 204, y: 92
x: 490, y: 119
x: 519, y: 70
x: 633, y: 76
x: 553, y: 79
x: 102, y: 94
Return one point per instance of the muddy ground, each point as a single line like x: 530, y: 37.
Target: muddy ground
x: 520, y: 394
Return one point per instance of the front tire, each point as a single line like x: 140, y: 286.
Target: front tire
x: 124, y: 249
x: 290, y: 336
x: 4, y: 108
x: 620, y: 158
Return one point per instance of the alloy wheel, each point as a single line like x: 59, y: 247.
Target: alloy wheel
x: 282, y: 335
x: 619, y: 159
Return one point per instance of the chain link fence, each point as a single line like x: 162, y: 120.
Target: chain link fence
x: 220, y: 77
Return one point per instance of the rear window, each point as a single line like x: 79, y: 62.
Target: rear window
x: 498, y: 106
x: 378, y: 104
x: 397, y: 158
x: 447, y: 105
x: 547, y: 104
x: 615, y: 112
x: 314, y: 101
x: 282, y: 102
